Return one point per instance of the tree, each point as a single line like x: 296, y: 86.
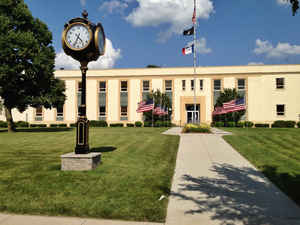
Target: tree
x: 227, y: 95
x: 159, y: 99
x: 152, y: 66
x: 295, y: 6
x: 26, y: 61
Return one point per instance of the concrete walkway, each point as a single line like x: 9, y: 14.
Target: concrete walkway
x: 212, y: 185
x: 215, y: 185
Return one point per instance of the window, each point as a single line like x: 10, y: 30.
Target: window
x: 59, y: 114
x: 192, y: 85
x: 124, y: 86
x: 217, y: 85
x: 79, y: 86
x: 168, y: 85
x: 280, y: 110
x: 123, y: 110
x: 39, y: 113
x: 102, y: 111
x: 201, y: 85
x: 102, y: 86
x: 279, y: 83
x: 241, y: 84
x: 183, y: 85
x: 146, y: 85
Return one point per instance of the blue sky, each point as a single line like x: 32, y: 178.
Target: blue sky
x: 143, y: 32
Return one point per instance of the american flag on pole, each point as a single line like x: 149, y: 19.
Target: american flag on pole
x: 194, y: 14
x: 159, y: 111
x: 145, y: 106
x: 234, y: 105
x: 219, y: 110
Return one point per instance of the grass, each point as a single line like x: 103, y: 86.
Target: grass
x: 137, y: 168
x: 276, y: 152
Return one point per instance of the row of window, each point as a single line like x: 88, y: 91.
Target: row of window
x: 192, y: 85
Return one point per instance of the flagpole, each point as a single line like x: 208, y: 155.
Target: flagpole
x: 195, y: 59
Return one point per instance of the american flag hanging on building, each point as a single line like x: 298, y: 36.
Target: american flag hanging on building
x: 145, y: 106
x: 234, y: 105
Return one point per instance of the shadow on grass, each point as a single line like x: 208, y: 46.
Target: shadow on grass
x: 44, y: 129
x: 236, y: 195
x: 103, y: 149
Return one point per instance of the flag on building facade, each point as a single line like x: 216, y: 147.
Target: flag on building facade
x: 159, y: 111
x: 235, y: 105
x: 189, y: 31
x: 188, y: 50
x: 145, y: 106
x: 194, y: 13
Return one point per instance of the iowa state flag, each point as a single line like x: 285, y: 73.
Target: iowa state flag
x: 188, y: 49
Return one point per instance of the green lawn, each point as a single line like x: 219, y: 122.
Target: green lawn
x: 276, y: 152
x: 137, y: 168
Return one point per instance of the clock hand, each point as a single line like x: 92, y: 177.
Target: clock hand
x: 76, y: 39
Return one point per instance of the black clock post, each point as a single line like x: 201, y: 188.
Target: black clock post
x: 85, y: 42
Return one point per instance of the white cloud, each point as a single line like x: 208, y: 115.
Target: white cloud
x: 175, y: 13
x: 201, y: 47
x: 283, y: 2
x: 108, y: 60
x: 255, y: 63
x: 281, y: 50
x: 114, y: 6
x: 83, y: 2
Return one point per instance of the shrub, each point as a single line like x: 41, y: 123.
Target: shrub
x: 62, y: 125
x: 129, y: 125
x: 213, y: 124
x: 298, y: 124
x: 283, y: 123
x: 159, y: 123
x: 72, y: 124
x: 38, y: 125
x: 265, y: 125
x: 138, y: 124
x: 219, y: 124
x: 230, y: 124
x: 147, y: 124
x: 22, y: 124
x: 239, y: 124
x: 3, y: 124
x: 195, y: 128
x: 116, y: 125
x: 53, y: 125
x: 98, y: 123
x: 248, y: 124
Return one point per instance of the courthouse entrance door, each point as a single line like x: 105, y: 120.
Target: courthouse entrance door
x: 192, y: 116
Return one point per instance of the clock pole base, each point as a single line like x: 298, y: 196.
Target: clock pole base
x: 82, y: 136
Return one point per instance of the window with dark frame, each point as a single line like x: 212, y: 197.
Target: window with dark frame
x: 123, y: 110
x: 280, y: 109
x: 102, y: 111
x: 168, y: 85
x: 192, y: 85
x: 201, y: 85
x: 146, y: 85
x: 241, y: 84
x: 60, y: 113
x: 39, y: 113
x: 102, y: 86
x: 280, y: 83
x: 217, y: 85
x: 183, y: 85
x: 124, y: 86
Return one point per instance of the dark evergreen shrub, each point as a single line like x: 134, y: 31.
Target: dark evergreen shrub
x: 264, y: 125
x: 62, y: 125
x: 53, y: 125
x: 219, y: 124
x: 248, y: 124
x: 147, y: 124
x: 283, y: 123
x: 3, y: 124
x: 239, y: 124
x: 116, y: 125
x: 138, y: 124
x: 298, y: 124
x: 72, y: 124
x: 38, y: 125
x: 129, y: 125
x: 22, y: 124
x: 230, y: 124
x: 98, y: 123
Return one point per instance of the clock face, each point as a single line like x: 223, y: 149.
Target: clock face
x: 78, y: 36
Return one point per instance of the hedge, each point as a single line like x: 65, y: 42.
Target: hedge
x: 3, y: 124
x: 147, y: 124
x: 298, y: 124
x: 98, y: 123
x: 230, y: 124
x: 265, y: 125
x: 38, y: 125
x: 129, y: 125
x: 138, y: 124
x: 116, y: 125
x: 239, y: 124
x: 284, y: 123
x: 248, y: 124
x: 22, y: 124
x: 219, y: 124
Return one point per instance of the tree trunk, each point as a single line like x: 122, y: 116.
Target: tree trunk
x: 9, y: 119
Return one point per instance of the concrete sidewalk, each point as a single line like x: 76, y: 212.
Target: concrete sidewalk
x: 213, y: 184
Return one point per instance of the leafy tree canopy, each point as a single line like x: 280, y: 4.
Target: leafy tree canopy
x: 26, y: 60
x: 152, y: 66
x: 227, y: 95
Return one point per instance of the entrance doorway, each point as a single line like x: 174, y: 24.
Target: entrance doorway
x: 192, y: 116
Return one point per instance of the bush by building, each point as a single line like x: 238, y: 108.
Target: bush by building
x: 138, y: 124
x: 284, y: 123
x: 98, y: 123
x: 239, y: 124
x: 116, y: 125
x: 38, y: 125
x: 230, y: 124
x: 196, y: 128
x: 219, y: 124
x: 129, y: 125
x: 22, y: 124
x: 264, y: 125
x: 3, y: 124
x: 248, y: 124
x: 298, y: 124
x: 148, y: 124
